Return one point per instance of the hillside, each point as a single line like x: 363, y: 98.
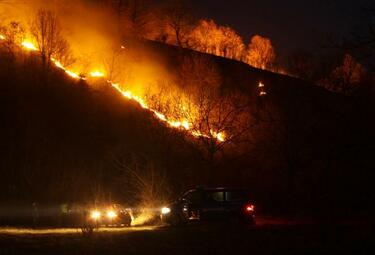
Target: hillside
x: 64, y: 140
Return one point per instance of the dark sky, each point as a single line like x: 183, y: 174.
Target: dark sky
x: 291, y: 24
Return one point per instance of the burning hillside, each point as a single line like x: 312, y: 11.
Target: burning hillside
x: 45, y: 37
x: 183, y: 124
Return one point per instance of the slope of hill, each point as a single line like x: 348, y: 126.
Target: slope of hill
x: 310, y: 145
x: 63, y: 140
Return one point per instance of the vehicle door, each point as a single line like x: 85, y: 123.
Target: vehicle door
x: 234, y: 201
x: 214, y: 205
x: 192, y: 203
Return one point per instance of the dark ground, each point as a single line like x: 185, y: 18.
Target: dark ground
x: 270, y: 236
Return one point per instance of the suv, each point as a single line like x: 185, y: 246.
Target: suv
x: 210, y: 204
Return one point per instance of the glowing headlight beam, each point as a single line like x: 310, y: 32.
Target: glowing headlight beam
x: 111, y: 214
x: 95, y: 215
x: 165, y: 210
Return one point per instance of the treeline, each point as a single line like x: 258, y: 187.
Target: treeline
x: 338, y: 69
x: 175, y: 22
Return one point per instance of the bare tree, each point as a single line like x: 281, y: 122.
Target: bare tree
x: 210, y: 38
x: 112, y: 63
x: 47, y: 33
x: 221, y: 120
x: 179, y: 20
x: 146, y: 184
x: 13, y: 34
x: 260, y: 53
x: 232, y: 45
x: 139, y: 16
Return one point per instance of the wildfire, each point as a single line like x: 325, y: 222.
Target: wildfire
x: 179, y: 124
x: 262, y: 91
x: 68, y: 72
x: 97, y: 74
x: 183, y: 124
x: 29, y: 46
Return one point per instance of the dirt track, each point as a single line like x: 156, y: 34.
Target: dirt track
x: 270, y: 236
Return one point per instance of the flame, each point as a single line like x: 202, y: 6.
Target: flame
x: 68, y: 72
x: 220, y: 136
x: 97, y: 74
x: 29, y: 45
x: 179, y: 124
x: 73, y: 74
x: 262, y: 91
x: 183, y: 124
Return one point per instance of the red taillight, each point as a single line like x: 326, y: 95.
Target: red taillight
x: 249, y: 208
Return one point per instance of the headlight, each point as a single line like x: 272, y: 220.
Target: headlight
x: 165, y: 210
x: 95, y: 215
x: 111, y: 214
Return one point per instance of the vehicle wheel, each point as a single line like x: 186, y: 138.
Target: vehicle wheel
x: 175, y: 220
x: 87, y: 230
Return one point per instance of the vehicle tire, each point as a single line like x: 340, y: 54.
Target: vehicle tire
x: 87, y: 229
x: 175, y: 220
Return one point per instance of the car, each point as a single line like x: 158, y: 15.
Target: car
x: 206, y: 204
x: 106, y: 216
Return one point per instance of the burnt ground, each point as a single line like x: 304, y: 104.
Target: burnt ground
x: 270, y: 236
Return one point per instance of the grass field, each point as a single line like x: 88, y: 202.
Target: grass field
x: 268, y: 237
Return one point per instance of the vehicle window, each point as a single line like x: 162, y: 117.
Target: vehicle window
x: 194, y: 197
x: 235, y: 195
x: 217, y: 196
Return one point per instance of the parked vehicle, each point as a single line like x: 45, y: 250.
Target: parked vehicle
x: 204, y: 204
x: 107, y: 216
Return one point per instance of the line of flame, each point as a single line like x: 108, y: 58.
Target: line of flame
x: 183, y: 125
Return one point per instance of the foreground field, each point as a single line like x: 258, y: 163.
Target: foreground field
x: 270, y: 236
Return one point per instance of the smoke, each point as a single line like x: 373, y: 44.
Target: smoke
x: 96, y: 39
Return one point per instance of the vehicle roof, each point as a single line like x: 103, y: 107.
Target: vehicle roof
x: 218, y: 189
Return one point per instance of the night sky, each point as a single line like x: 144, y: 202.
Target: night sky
x: 291, y: 24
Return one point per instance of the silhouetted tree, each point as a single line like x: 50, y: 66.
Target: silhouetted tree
x: 47, y: 33
x: 13, y: 35
x: 179, y: 21
x: 220, y: 120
